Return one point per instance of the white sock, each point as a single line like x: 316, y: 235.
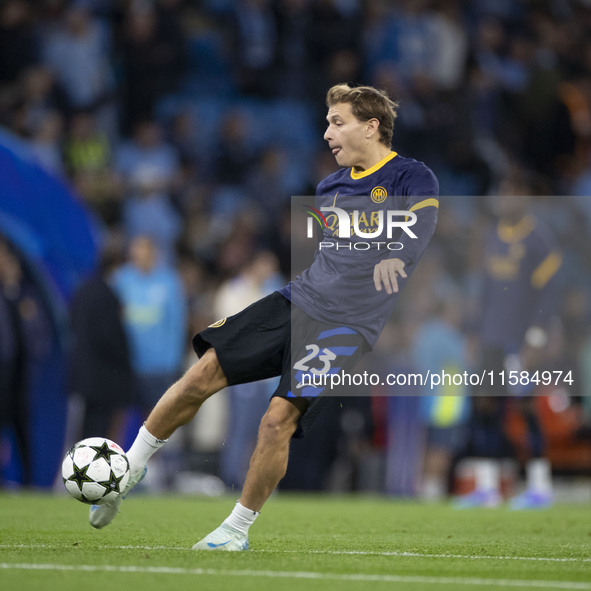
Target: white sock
x: 539, y: 475
x: 433, y: 489
x: 487, y: 474
x: 241, y: 518
x: 142, y: 449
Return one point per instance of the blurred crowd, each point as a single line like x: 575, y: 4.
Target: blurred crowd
x: 186, y: 126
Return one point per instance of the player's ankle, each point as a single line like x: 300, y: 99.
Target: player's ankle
x: 241, y: 518
x: 142, y: 449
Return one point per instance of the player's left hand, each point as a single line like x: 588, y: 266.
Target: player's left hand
x: 386, y: 273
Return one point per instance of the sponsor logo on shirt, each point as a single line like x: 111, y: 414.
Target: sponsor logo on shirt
x: 378, y: 194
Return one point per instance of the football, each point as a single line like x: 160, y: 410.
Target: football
x: 95, y: 470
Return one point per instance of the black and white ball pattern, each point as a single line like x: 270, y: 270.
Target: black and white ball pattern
x: 95, y: 470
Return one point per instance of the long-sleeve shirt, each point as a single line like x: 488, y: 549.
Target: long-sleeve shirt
x: 338, y: 288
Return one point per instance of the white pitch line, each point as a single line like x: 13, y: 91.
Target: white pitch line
x: 401, y: 553
x: 408, y: 579
x: 426, y: 555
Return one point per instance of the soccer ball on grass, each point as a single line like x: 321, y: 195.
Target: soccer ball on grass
x: 95, y: 470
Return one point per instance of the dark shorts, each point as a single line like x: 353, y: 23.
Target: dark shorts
x: 492, y: 359
x: 258, y: 342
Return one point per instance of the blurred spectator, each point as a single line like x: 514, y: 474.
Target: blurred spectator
x: 199, y: 286
x: 584, y: 364
x: 575, y: 323
x: 296, y: 69
x: 154, y: 309
x: 8, y: 348
x: 148, y: 211
x: 255, y: 47
x: 153, y: 59
x: 547, y: 133
x: 101, y: 373
x: 235, y: 152
x: 237, y: 247
x: 8, y: 352
x: 86, y: 149
x: 18, y: 44
x: 189, y: 140
x: 14, y: 412
x: 47, y: 142
x: 451, y: 40
x: 88, y: 157
x: 406, y: 36
x: 440, y: 346
x: 268, y: 184
x: 78, y: 53
x: 36, y: 96
x: 414, y: 35
x: 147, y: 149
x: 30, y: 332
x: 336, y: 34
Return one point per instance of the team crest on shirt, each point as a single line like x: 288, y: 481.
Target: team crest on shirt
x: 218, y: 323
x: 378, y: 194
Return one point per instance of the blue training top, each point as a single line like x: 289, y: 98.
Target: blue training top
x: 338, y: 288
x: 521, y: 282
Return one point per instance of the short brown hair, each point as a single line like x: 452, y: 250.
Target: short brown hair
x: 367, y: 103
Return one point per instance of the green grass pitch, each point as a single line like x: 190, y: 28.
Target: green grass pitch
x: 300, y: 542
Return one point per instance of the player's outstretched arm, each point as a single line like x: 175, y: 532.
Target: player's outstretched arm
x: 385, y: 274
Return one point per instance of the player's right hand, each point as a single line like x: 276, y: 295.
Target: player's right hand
x: 386, y: 274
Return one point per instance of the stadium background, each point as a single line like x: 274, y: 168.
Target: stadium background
x: 194, y: 122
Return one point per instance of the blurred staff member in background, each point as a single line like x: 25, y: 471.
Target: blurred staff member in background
x: 101, y: 371
x: 519, y: 298
x: 28, y: 334
x: 13, y: 392
x: 154, y: 312
x: 439, y: 345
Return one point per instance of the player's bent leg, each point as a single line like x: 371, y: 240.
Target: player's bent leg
x: 182, y: 400
x: 268, y: 465
x: 178, y: 406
